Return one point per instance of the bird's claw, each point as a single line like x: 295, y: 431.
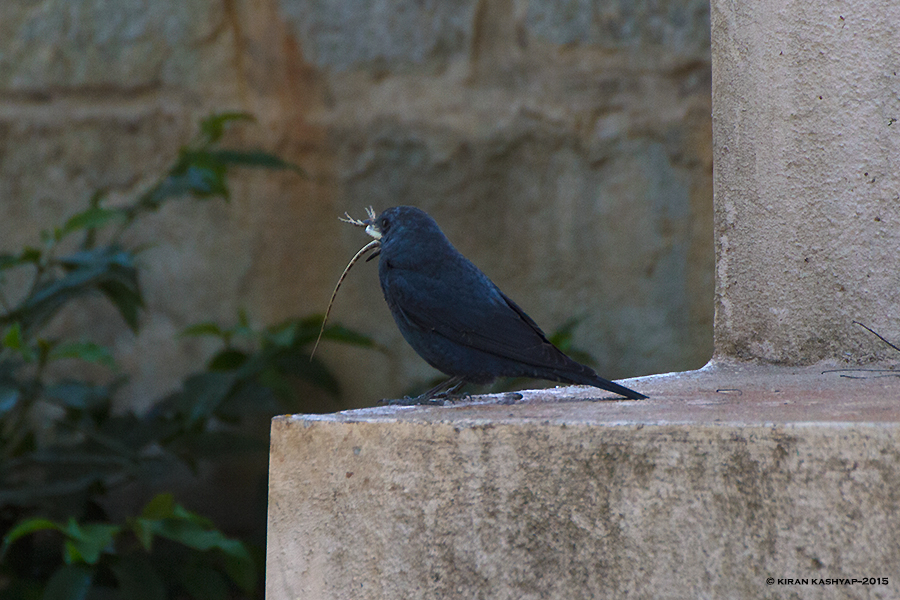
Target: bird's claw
x: 408, y: 401
x: 439, y: 399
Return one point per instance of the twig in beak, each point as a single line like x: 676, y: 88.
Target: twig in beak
x: 348, y: 219
x: 362, y: 251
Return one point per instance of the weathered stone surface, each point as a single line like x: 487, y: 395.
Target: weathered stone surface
x: 119, y: 46
x: 380, y: 33
x: 681, y: 27
x: 807, y: 181
x: 725, y: 477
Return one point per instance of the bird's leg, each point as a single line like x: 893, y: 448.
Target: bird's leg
x: 452, y: 385
x: 432, y: 396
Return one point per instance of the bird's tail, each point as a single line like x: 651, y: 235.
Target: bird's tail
x: 611, y: 386
x: 580, y: 374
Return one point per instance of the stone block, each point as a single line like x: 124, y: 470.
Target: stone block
x: 380, y: 34
x: 724, y: 478
x: 680, y: 27
x: 127, y: 45
x: 807, y: 181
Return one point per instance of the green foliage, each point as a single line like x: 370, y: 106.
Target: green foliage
x: 92, y: 550
x: 200, y: 172
x: 263, y: 375
x: 62, y: 446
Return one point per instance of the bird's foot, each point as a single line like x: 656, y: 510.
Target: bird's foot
x: 413, y: 401
x: 510, y: 398
x: 426, y: 399
x: 436, y: 396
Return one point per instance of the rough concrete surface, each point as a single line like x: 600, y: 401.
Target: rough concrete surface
x: 723, y: 478
x: 807, y: 179
x: 566, y: 149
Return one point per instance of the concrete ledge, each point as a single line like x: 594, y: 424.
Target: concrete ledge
x: 725, y: 477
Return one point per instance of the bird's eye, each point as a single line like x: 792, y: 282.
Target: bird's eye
x: 384, y: 224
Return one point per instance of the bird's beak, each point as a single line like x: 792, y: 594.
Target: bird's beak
x: 372, y: 229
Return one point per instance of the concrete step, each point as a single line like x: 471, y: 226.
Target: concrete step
x: 726, y: 477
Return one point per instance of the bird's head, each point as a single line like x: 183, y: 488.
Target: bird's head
x: 405, y: 234
x: 404, y: 229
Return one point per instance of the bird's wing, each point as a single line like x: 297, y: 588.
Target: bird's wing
x: 473, y: 313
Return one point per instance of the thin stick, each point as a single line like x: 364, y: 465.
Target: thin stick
x: 878, y: 335
x: 348, y: 219
x: 362, y: 251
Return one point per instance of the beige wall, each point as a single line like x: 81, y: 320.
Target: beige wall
x: 566, y: 151
x: 807, y: 182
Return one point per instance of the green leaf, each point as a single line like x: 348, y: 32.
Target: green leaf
x: 189, y: 534
x: 138, y: 579
x: 196, y: 174
x: 205, y: 328
x: 143, y: 531
x: 162, y: 506
x: 213, y: 126
x: 206, y: 179
x: 86, y: 542
x: 13, y: 338
x: 203, y: 393
x: 196, y: 532
x: 228, y: 359
x: 220, y: 444
x: 181, y: 513
x: 239, y: 565
x: 91, y: 218
x: 24, y: 528
x: 71, y: 582
x: 9, y: 397
x: 202, y: 582
x: 28, y: 255
x: 117, y: 278
x: 313, y: 371
x: 79, y: 395
x: 157, y: 510
x: 31, y: 254
x: 8, y: 261
x: 168, y: 519
x: 110, y: 270
x: 253, y: 158
x: 126, y: 297
x: 271, y: 378
x: 283, y: 335
x: 86, y: 351
x: 170, y: 187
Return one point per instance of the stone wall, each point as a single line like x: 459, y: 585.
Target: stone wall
x: 564, y: 147
x: 807, y: 183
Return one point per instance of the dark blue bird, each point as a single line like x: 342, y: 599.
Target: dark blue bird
x: 456, y: 318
